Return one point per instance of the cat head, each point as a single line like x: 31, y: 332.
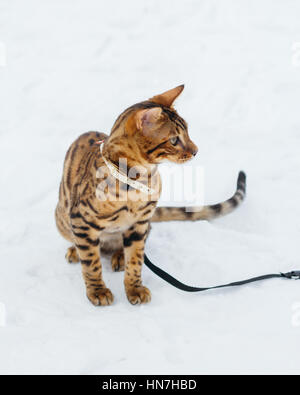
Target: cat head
x: 160, y: 133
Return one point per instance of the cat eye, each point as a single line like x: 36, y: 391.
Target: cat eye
x: 174, y: 140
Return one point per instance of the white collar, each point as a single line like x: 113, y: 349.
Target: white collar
x: 123, y: 178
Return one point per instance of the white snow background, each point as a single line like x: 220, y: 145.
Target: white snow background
x: 73, y: 66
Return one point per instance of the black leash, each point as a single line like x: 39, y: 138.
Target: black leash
x: 294, y: 275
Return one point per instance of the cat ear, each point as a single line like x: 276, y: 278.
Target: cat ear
x: 167, y: 98
x: 146, y: 119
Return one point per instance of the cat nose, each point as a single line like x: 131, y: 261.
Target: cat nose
x: 193, y: 149
x: 195, y: 152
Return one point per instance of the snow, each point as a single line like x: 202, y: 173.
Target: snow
x: 73, y: 66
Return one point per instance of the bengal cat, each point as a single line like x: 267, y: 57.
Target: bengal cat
x: 145, y: 134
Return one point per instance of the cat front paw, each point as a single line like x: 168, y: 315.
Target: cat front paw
x: 100, y: 297
x: 138, y: 295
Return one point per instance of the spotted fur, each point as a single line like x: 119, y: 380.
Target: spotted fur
x: 145, y: 134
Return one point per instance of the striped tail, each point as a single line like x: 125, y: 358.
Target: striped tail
x: 206, y: 212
